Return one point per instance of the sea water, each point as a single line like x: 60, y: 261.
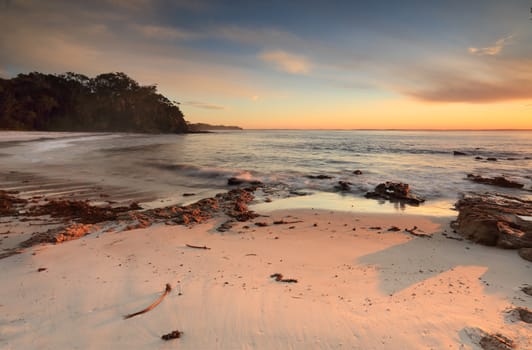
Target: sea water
x: 283, y: 159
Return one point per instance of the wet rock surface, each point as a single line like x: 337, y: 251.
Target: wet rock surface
x: 500, y: 181
x: 80, y: 211
x: 9, y: 203
x: 343, y: 186
x: 78, y: 218
x: 489, y: 341
x: 495, y: 220
x: 395, y: 191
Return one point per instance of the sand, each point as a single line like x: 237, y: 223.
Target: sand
x: 359, y: 287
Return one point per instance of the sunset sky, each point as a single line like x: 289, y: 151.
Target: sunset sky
x: 294, y: 64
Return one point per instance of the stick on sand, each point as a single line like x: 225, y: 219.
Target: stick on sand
x: 154, y: 304
x: 197, y: 246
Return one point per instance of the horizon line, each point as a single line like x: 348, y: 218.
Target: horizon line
x: 377, y: 129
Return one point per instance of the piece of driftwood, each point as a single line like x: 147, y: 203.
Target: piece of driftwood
x: 154, y: 304
x: 172, y: 335
x: 413, y: 232
x: 279, y: 278
x: 283, y: 222
x: 197, y: 246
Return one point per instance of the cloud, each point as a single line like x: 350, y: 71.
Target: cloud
x: 165, y: 33
x: 474, y: 82
x: 476, y: 91
x: 491, y: 50
x: 203, y: 105
x: 286, y: 62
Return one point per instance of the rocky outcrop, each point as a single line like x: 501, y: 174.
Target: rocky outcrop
x: 9, y: 204
x: 495, y: 181
x: 495, y: 220
x: 343, y: 186
x: 77, y: 218
x: 489, y: 341
x: 395, y: 191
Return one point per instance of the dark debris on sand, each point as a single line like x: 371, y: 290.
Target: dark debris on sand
x: 172, y: 335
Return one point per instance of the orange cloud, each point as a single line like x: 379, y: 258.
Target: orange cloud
x: 203, y: 105
x: 491, y: 50
x: 286, y: 62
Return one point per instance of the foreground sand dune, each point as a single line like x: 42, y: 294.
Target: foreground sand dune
x: 359, y: 287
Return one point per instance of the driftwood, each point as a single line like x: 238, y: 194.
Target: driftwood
x: 197, y: 246
x: 154, y: 304
x: 283, y: 222
x: 412, y: 231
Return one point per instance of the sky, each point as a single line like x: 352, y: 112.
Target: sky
x: 407, y: 64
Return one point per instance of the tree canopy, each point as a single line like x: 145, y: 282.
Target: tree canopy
x: 75, y: 102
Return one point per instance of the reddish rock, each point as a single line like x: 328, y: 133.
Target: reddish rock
x: 495, y: 181
x: 495, y: 220
x: 395, y: 191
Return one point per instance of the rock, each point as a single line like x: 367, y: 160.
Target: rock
x: 319, y: 177
x: 525, y: 314
x: 527, y: 289
x: 525, y: 253
x: 343, y: 186
x: 397, y: 191
x: 188, y: 194
x: 458, y: 153
x: 298, y: 193
x: 357, y: 172
x: 491, y: 159
x: 233, y: 181
x: 495, y: 220
x: 478, y: 158
x: 226, y: 226
x: 58, y: 235
x: 495, y: 181
x: 9, y: 204
x: 488, y: 341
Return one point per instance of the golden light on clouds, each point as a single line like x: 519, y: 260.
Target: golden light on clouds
x: 491, y: 50
x: 287, y: 62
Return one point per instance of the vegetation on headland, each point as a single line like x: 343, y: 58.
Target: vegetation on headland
x: 75, y: 102
x: 195, y: 127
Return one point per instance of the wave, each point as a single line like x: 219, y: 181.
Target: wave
x: 204, y: 172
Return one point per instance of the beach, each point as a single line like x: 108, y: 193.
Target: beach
x: 260, y: 267
x: 358, y: 287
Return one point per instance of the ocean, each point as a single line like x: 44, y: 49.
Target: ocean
x: 159, y: 169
